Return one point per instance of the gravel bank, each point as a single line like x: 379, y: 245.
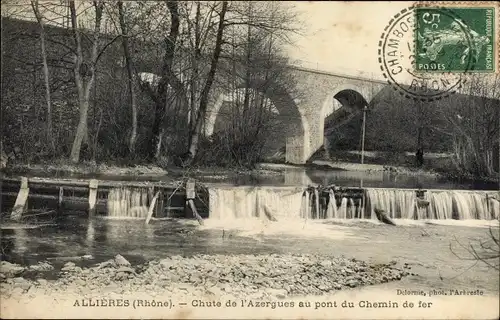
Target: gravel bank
x: 374, y: 168
x: 86, y: 168
x: 242, y: 276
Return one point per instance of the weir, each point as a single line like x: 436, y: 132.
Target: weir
x: 121, y: 199
x: 116, y: 199
x: 352, y: 203
x: 249, y: 202
x: 128, y: 202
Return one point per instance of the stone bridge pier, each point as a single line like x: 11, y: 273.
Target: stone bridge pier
x: 317, y: 95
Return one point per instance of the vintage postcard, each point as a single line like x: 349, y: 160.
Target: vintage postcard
x: 250, y: 159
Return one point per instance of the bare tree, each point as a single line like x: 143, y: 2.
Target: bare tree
x: 169, y: 88
x: 257, y: 71
x: 84, y: 72
x: 39, y: 18
x: 245, y: 25
x: 199, y: 23
x: 130, y: 75
x: 202, y: 109
x: 474, y: 126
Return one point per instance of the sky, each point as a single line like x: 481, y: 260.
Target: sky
x: 342, y: 37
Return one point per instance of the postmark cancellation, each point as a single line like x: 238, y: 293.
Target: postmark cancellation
x: 427, y: 51
x: 456, y: 38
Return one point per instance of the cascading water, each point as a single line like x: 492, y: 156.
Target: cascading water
x: 396, y: 203
x: 307, y: 203
x: 128, y: 202
x: 494, y: 205
x: 461, y: 205
x: 250, y: 202
x: 439, y: 204
x: 342, y: 209
x: 331, y: 211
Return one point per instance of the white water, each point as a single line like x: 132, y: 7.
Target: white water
x: 443, y: 204
x: 396, y: 203
x: 249, y: 202
x: 288, y: 203
x: 128, y: 202
x: 257, y: 228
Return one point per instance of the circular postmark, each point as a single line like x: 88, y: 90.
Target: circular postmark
x: 404, y: 40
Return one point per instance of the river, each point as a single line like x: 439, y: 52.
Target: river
x: 291, y: 175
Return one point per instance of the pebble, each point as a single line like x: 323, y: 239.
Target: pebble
x: 42, y: 266
x: 272, y: 276
x: 9, y: 270
x: 121, y: 276
x: 326, y: 263
x: 121, y: 261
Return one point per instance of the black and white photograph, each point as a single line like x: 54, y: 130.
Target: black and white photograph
x: 249, y: 159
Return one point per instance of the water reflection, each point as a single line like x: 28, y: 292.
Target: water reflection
x: 20, y: 241
x: 303, y: 176
x: 296, y: 175
x: 90, y: 234
x: 75, y: 236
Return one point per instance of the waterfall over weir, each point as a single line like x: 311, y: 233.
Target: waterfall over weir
x: 436, y: 204
x: 351, y: 203
x: 290, y: 203
x: 128, y: 202
x: 248, y: 202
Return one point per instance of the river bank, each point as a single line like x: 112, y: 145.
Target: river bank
x: 244, y: 276
x: 137, y: 170
x: 322, y: 261
x: 342, y: 173
x: 352, y: 166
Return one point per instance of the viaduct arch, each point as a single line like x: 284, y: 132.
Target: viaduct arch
x: 322, y: 95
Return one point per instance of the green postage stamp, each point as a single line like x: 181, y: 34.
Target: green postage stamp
x: 456, y: 39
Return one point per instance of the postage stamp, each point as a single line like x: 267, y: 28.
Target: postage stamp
x: 427, y: 51
x: 455, y: 39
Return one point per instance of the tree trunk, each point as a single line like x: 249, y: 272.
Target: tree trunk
x: 420, y: 150
x: 202, y: 109
x: 246, y: 99
x: 128, y: 62
x: 84, y: 76
x: 168, y: 78
x: 194, y: 66
x: 36, y: 11
x: 80, y: 131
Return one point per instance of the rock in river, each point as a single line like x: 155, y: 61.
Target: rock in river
x: 10, y: 270
x: 121, y: 261
x: 41, y: 266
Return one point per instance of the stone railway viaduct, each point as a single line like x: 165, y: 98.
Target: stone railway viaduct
x: 321, y: 94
